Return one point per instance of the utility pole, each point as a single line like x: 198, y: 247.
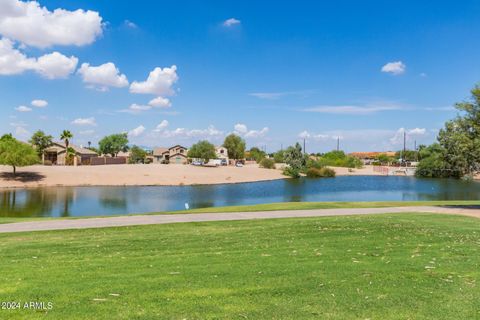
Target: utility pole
x: 304, y: 151
x: 404, y: 146
x: 416, y: 153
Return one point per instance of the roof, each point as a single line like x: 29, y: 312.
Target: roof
x: 159, y: 151
x: 177, y: 146
x: 59, y: 146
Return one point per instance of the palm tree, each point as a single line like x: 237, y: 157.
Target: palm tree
x: 66, y: 136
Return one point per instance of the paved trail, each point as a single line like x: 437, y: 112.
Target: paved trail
x: 62, y: 224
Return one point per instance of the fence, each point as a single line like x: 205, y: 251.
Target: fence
x: 99, y: 161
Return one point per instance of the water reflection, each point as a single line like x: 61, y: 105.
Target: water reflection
x: 90, y: 201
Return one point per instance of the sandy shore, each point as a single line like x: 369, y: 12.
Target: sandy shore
x: 131, y: 175
x: 136, y: 175
x: 365, y: 171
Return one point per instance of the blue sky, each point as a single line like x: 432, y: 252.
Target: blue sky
x: 275, y: 72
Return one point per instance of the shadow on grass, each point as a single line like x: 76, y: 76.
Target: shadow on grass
x: 462, y: 206
x: 22, y: 176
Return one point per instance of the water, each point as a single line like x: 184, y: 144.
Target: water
x: 92, y: 201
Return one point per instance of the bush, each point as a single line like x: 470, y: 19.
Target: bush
x: 291, y: 172
x: 267, y: 163
x: 320, y: 173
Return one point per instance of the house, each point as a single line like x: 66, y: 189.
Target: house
x: 222, y: 153
x: 176, y: 154
x: 56, y: 154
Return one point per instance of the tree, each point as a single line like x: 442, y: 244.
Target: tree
x: 235, y: 146
x: 279, y: 156
x: 16, y: 154
x: 461, y: 136
x: 113, y: 144
x: 137, y: 155
x: 295, y: 159
x: 202, y: 150
x: 257, y: 154
x: 41, y: 141
x: 433, y: 164
x: 66, y: 136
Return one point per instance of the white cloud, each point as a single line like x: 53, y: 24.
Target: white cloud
x: 55, y: 65
x: 23, y: 109
x: 412, y: 133
x: 242, y: 130
x: 136, y: 109
x: 12, y: 61
x: 160, y: 102
x: 159, y: 82
x: 130, y: 24
x: 84, y: 122
x: 395, y: 68
x: 39, y: 103
x: 257, y: 133
x: 304, y: 135
x: 231, y: 22
x: 21, y: 131
x: 358, y: 110
x: 33, y: 25
x: 162, y: 131
x: 137, y: 131
x: 51, y: 66
x: 104, y: 76
x: 161, y: 126
x: 319, y: 137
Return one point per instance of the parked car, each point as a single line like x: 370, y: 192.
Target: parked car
x: 239, y: 164
x: 224, y: 162
x: 197, y: 163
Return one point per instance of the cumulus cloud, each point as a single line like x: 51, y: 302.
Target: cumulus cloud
x: 103, y: 76
x: 161, y: 126
x: 130, y: 24
x: 138, y: 131
x: 23, y: 109
x: 12, y: 61
x: 51, y: 66
x: 39, y: 103
x: 160, y: 102
x: 396, y: 68
x: 84, y: 122
x: 231, y: 22
x: 159, y: 82
x: 55, y: 65
x: 242, y: 130
x: 33, y: 25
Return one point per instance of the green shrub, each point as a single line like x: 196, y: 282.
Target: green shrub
x: 291, y: 172
x: 267, y: 163
x: 320, y: 173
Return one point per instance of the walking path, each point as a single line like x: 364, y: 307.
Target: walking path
x: 62, y: 224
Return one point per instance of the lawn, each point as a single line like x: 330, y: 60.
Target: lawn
x: 329, y: 205
x: 401, y: 266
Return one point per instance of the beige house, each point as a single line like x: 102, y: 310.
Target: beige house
x: 176, y: 154
x: 222, y: 153
x: 56, y: 154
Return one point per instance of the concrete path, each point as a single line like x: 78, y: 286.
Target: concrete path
x: 62, y: 224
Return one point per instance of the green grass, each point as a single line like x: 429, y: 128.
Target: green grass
x: 403, y: 266
x: 327, y: 205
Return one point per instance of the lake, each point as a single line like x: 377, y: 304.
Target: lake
x: 94, y: 201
